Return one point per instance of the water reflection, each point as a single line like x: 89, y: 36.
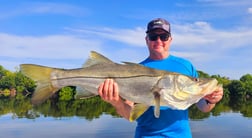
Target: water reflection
x: 94, y: 118
x: 226, y: 125
x: 93, y: 108
x: 65, y: 127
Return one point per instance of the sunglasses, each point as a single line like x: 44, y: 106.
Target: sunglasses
x: 163, y: 37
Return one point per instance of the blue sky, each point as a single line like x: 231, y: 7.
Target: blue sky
x: 215, y: 35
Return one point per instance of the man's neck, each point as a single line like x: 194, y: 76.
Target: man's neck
x: 159, y: 56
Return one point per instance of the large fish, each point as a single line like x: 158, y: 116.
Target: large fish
x: 139, y: 84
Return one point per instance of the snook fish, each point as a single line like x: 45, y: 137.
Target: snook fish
x: 139, y: 84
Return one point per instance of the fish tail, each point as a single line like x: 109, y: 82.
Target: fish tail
x: 42, y: 76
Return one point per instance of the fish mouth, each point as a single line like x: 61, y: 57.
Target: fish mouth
x: 208, y: 84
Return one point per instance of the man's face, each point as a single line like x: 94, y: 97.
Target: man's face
x: 158, y: 41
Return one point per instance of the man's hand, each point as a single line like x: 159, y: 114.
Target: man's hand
x: 108, y: 90
x: 215, y: 97
x: 207, y: 103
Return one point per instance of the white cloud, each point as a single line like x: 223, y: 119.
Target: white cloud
x: 188, y: 36
x: 250, y: 10
x: 55, y: 8
x: 201, y: 34
x: 54, y: 46
x: 64, y: 51
x: 225, y: 3
x: 43, y: 8
x: 130, y: 36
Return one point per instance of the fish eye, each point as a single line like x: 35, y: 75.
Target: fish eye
x: 196, y: 79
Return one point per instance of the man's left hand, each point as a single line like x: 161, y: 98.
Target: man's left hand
x: 215, y: 97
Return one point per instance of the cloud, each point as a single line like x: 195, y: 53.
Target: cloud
x: 39, y: 8
x: 129, y: 36
x: 185, y: 36
x: 226, y: 3
x: 64, y: 51
x: 250, y: 10
x: 200, y: 34
x: 50, y: 47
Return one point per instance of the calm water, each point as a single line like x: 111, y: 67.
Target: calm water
x: 225, y: 125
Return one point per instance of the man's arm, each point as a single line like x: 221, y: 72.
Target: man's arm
x: 109, y: 92
x: 207, y: 103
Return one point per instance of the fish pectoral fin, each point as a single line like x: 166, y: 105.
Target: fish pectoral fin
x: 157, y: 104
x: 83, y: 93
x: 137, y: 111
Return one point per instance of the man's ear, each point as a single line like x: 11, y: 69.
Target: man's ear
x: 170, y: 38
x: 146, y: 39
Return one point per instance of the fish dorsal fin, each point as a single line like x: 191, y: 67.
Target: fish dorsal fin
x: 96, y: 58
x: 129, y: 63
x: 133, y: 64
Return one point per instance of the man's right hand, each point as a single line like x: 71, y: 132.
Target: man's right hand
x: 109, y: 91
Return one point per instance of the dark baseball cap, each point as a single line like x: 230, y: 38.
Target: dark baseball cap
x: 158, y: 23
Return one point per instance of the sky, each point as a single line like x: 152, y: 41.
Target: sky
x: 215, y: 35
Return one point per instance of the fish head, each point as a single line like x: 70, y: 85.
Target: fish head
x: 178, y: 89
x: 188, y: 88
x: 207, y: 85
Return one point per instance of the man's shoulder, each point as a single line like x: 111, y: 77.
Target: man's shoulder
x: 186, y: 64
x: 180, y: 60
x: 171, y: 59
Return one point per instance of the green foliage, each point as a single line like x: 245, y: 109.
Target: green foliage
x: 20, y: 96
x: 203, y: 74
x: 3, y: 71
x: 246, y: 108
x: 6, y: 92
x: 241, y: 88
x: 225, y: 83
x: 90, y: 108
x: 247, y: 80
x: 222, y: 80
x: 24, y: 83
x: 66, y: 94
x: 236, y: 88
x: 8, y: 81
x: 16, y: 81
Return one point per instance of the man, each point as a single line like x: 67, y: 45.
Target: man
x: 172, y: 123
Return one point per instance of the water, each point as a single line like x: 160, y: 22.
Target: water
x: 71, y: 127
x: 225, y: 125
x: 94, y: 118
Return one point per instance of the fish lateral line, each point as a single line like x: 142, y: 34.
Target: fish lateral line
x: 107, y: 77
